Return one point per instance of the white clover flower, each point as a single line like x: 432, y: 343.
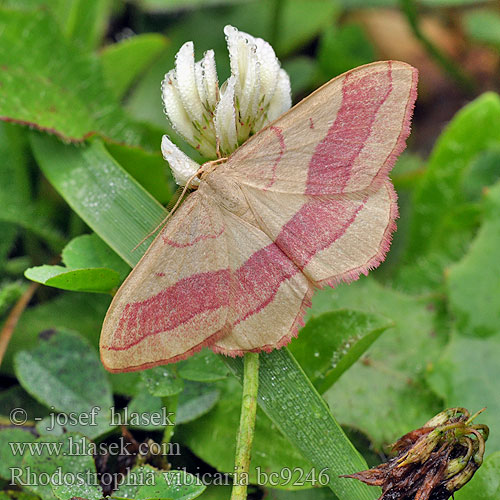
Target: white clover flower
x: 217, y: 121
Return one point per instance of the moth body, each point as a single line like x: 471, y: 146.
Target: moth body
x: 226, y: 192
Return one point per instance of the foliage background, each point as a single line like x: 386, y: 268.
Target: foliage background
x: 79, y: 94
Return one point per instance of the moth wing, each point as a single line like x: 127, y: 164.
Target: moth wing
x: 329, y: 238
x: 268, y: 295
x: 176, y: 299
x: 343, y: 138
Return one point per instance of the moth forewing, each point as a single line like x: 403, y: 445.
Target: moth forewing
x: 176, y: 299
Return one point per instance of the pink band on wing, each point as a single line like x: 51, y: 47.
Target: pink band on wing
x: 172, y: 307
x: 257, y: 281
x: 316, y: 226
x: 281, y: 140
x: 331, y: 163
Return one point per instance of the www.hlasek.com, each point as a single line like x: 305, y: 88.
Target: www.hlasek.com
x: 149, y: 477
x: 77, y: 446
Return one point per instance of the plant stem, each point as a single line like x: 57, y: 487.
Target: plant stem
x: 247, y: 426
x: 170, y: 404
x: 309, y: 426
x: 453, y: 70
x: 275, y: 22
x: 13, y: 318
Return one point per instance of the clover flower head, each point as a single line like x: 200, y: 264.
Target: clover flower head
x: 217, y: 120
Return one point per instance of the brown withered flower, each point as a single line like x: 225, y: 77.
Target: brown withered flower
x: 432, y: 462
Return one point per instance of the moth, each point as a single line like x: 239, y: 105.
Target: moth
x: 306, y: 202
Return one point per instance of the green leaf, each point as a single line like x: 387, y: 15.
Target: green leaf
x: 16, y: 397
x: 173, y: 485
x: 219, y: 492
x: 483, y: 26
x: 312, y: 494
x: 296, y: 24
x: 195, y: 400
x: 149, y: 169
x: 289, y: 399
x: 76, y: 311
x: 17, y: 495
x: 89, y: 251
x: 126, y: 384
x: 32, y: 220
x: 204, y: 366
x: 486, y: 482
x: 68, y: 457
x: 91, y: 266
x: 16, y: 199
x: 143, y: 404
x: 482, y: 172
x: 133, y: 481
x: 84, y: 21
x: 149, y: 483
x: 447, y: 3
x: 344, y: 48
x: 466, y: 376
x: 50, y: 84
x: 9, y: 232
x: 10, y: 293
x: 99, y: 280
x: 124, y: 61
x: 162, y: 381
x: 112, y: 203
x: 431, y: 245
x: 15, y: 185
x: 64, y: 371
x: 302, y: 71
x: 385, y: 394
x: 156, y: 6
x: 11, y: 449
x: 473, y: 283
x: 87, y: 22
x: 331, y: 343
x: 271, y: 452
x: 354, y: 4
x: 457, y: 230
x: 144, y: 101
x: 474, y: 129
x: 299, y: 22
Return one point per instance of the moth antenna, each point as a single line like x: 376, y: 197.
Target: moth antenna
x: 162, y: 223
x: 174, y: 198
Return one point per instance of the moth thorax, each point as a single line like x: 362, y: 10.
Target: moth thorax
x: 227, y: 193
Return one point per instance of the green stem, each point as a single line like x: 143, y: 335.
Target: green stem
x: 170, y: 403
x: 275, y: 21
x: 290, y: 400
x: 247, y: 426
x: 454, y: 71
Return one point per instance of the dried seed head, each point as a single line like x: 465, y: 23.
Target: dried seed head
x: 431, y: 462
